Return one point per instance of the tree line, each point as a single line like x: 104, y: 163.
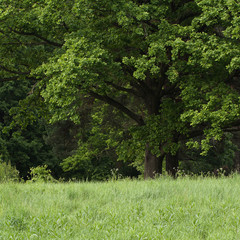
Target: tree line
x: 141, y: 86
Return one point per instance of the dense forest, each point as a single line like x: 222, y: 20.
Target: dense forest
x: 94, y: 87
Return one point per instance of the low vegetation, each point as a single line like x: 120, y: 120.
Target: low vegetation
x: 8, y: 172
x: 185, y: 208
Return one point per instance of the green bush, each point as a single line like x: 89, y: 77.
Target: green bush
x: 41, y: 174
x: 8, y: 172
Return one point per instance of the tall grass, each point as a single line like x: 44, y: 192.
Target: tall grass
x: 155, y: 209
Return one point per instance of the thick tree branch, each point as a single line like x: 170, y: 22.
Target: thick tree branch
x: 230, y: 127
x: 128, y: 90
x: 12, y: 71
x: 139, y: 89
x: 138, y: 85
x: 38, y: 36
x: 8, y: 79
x: 145, y: 87
x: 119, y: 106
x: 192, y: 134
x: 169, y: 91
x: 33, y: 87
x: 26, y: 43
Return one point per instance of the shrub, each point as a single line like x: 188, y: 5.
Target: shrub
x: 41, y: 174
x: 8, y: 172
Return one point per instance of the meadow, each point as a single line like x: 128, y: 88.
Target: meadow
x: 201, y: 208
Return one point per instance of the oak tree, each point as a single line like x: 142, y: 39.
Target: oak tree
x: 172, y: 67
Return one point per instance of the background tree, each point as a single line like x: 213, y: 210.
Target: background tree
x: 27, y: 149
x: 171, y: 67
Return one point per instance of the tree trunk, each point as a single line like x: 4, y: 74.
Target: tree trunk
x: 172, y: 164
x: 152, y: 164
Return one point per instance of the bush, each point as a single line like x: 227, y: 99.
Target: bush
x: 41, y: 174
x: 8, y: 172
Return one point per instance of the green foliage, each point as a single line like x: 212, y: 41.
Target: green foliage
x: 221, y: 155
x: 8, y: 172
x: 87, y: 164
x: 22, y: 143
x: 41, y: 174
x: 170, y: 66
x: 95, y: 156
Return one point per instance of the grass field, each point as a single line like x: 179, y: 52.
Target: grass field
x: 157, y: 209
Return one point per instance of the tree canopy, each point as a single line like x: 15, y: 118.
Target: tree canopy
x: 168, y: 70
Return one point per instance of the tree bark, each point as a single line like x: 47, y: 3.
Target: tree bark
x: 152, y: 164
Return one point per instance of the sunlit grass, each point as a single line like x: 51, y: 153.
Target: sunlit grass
x: 157, y: 209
